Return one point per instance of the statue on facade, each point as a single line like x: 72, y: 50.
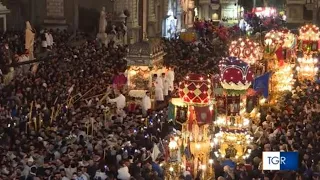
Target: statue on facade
x: 102, y: 21
x: 122, y: 33
x: 29, y: 40
x: 102, y: 35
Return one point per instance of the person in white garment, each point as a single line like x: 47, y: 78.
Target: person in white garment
x: 120, y: 101
x: 48, y: 39
x: 165, y: 83
x: 146, y: 103
x: 170, y: 77
x: 158, y: 86
x: 44, y: 43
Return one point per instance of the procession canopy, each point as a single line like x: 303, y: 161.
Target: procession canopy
x: 235, y: 74
x: 309, y: 35
x: 195, y: 89
x: 247, y: 50
x: 146, y: 53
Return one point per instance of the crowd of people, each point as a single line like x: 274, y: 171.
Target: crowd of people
x: 63, y: 122
x: 54, y: 126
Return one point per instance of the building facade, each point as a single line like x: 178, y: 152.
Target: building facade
x: 145, y: 18
x: 295, y: 11
x: 218, y: 9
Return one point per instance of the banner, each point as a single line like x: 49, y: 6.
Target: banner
x: 203, y: 114
x: 261, y: 84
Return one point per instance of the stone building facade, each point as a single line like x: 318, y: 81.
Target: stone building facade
x: 217, y: 9
x: 145, y: 20
x: 295, y: 11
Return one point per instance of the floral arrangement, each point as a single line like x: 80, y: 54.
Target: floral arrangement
x: 138, y: 81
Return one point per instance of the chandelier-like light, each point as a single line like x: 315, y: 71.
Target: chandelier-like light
x: 247, y: 50
x: 309, y: 32
x: 283, y: 78
x: 307, y: 67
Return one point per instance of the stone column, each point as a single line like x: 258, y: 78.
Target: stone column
x: 205, y: 11
x: 76, y: 15
x: 5, y: 23
x: 32, y: 12
x: 145, y: 19
x: 190, y: 14
x: 151, y: 19
x: 315, y: 12
x: 179, y: 17
x: 151, y: 11
x: 132, y: 22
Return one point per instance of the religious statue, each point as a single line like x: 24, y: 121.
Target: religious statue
x: 124, y: 28
x: 250, y: 105
x: 102, y: 35
x: 102, y: 21
x: 238, y: 119
x: 233, y: 107
x: 232, y: 120
x: 231, y: 150
x: 29, y: 40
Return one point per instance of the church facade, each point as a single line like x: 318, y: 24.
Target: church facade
x: 143, y: 18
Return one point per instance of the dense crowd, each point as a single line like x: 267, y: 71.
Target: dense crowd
x: 69, y: 134
x: 61, y: 122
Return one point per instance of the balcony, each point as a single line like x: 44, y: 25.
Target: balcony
x: 296, y: 1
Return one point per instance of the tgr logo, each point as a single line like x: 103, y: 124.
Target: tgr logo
x: 280, y: 160
x: 276, y: 160
x: 271, y: 160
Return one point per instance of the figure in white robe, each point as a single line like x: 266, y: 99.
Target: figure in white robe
x: 120, y: 103
x: 165, y: 83
x: 170, y: 77
x: 29, y: 40
x: 146, y: 103
x: 158, y: 85
x: 51, y: 39
x: 48, y: 40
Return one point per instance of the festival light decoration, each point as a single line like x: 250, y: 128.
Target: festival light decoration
x: 235, y: 74
x: 290, y: 40
x: 307, y: 68
x: 233, y: 138
x: 224, y: 122
x: 309, y: 32
x: 309, y: 39
x: 196, y: 105
x: 283, y: 78
x: 195, y: 89
x: 247, y: 50
x: 238, y: 139
x: 274, y: 39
